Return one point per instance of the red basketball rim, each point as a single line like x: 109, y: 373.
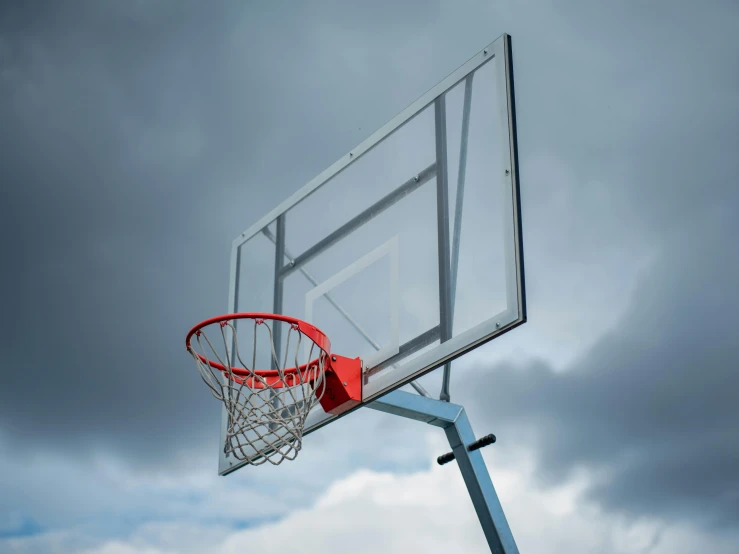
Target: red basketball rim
x: 311, y: 331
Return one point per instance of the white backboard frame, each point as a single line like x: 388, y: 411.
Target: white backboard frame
x: 450, y: 347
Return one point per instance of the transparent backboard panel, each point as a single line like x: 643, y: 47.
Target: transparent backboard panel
x: 406, y: 252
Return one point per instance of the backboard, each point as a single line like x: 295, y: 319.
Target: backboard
x: 407, y: 251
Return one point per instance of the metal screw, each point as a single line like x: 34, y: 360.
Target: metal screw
x: 333, y: 358
x: 343, y: 384
x: 351, y: 154
x: 415, y: 178
x: 507, y: 172
x: 292, y: 263
x: 485, y: 52
x: 497, y: 325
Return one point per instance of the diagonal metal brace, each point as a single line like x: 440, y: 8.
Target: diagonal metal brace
x: 453, y: 419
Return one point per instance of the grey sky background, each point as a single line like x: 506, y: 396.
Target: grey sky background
x: 137, y: 139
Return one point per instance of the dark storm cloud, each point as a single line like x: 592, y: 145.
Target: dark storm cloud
x: 118, y: 136
x: 634, y: 99
x: 135, y: 137
x: 89, y: 229
x: 651, y: 408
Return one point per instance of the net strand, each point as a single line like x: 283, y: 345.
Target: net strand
x: 266, y: 414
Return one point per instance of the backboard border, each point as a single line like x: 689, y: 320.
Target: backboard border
x: 484, y: 332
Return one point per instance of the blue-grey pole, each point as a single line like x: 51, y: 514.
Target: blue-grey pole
x: 453, y: 419
x: 442, y: 217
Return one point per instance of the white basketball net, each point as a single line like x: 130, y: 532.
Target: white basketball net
x: 266, y: 415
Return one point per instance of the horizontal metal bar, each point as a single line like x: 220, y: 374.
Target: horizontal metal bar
x: 339, y: 308
x: 419, y: 389
x: 442, y: 353
x: 370, y: 213
x: 419, y: 408
x: 313, y: 281
x: 482, y: 57
x: 408, y: 348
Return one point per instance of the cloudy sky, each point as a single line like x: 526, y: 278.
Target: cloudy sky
x: 138, y: 138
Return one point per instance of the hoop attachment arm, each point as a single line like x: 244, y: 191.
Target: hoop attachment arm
x: 343, y: 385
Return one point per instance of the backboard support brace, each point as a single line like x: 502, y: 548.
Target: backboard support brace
x: 453, y: 419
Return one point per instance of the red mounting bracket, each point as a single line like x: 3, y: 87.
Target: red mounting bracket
x: 343, y: 385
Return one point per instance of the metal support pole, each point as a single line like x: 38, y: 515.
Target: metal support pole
x: 442, y: 216
x: 458, y: 205
x: 461, y: 176
x: 277, y: 296
x: 277, y: 305
x: 453, y: 419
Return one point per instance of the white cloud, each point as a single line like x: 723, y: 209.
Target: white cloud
x: 93, y: 494
x: 430, y: 511
x: 122, y: 548
x: 424, y: 511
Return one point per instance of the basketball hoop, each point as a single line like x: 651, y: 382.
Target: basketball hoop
x: 267, y: 408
